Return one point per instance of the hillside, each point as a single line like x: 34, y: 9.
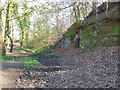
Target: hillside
x: 106, y: 28
x: 93, y: 65
x: 76, y: 68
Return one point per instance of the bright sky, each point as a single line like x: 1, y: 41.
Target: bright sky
x: 43, y: 1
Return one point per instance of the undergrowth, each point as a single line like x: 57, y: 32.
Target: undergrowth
x: 7, y: 58
x: 45, y: 54
x: 30, y: 62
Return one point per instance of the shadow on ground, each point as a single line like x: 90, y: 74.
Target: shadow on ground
x: 47, y: 64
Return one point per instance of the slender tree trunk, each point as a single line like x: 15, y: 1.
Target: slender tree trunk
x: 10, y: 36
x: 27, y: 37
x: 6, y: 31
x: 77, y: 38
x: 78, y: 13
x: 76, y: 17
x: 3, y: 47
x: 3, y: 50
x: 11, y: 43
x: 12, y: 33
x: 22, y: 39
x: 0, y: 18
x: 106, y: 8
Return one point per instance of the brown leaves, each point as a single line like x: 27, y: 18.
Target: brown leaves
x: 95, y: 69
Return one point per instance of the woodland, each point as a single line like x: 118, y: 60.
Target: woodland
x: 59, y: 44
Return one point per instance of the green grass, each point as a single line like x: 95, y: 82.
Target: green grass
x: 116, y: 28
x: 49, y: 55
x: 7, y: 58
x: 40, y: 53
x: 20, y: 50
x: 109, y: 28
x: 30, y: 62
x: 45, y: 51
x: 112, y: 41
x: 106, y: 30
x: 24, y: 50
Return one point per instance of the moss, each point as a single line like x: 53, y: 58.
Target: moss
x: 72, y: 30
x: 110, y: 42
x: 104, y: 30
x: 88, y: 40
x: 73, y: 27
x: 72, y: 36
x: 116, y: 28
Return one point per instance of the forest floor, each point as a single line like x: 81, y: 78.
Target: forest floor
x: 11, y: 69
x: 73, y: 68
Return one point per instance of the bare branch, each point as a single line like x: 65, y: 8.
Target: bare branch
x: 67, y: 6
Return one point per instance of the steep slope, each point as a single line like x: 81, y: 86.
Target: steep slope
x: 107, y: 27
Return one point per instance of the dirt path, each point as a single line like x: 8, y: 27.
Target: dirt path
x: 74, y: 68
x: 10, y: 70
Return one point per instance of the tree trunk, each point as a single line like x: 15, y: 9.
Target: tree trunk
x: 11, y: 43
x: 22, y: 39
x: 0, y: 18
x: 6, y: 31
x: 107, y: 8
x: 77, y: 39
x: 3, y: 47
x: 3, y: 50
x: 77, y: 42
x: 75, y: 12
x: 27, y: 37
